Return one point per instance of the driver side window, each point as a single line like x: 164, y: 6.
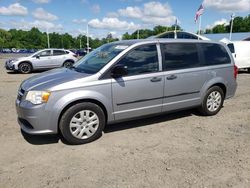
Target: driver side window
x: 45, y: 53
x: 141, y: 60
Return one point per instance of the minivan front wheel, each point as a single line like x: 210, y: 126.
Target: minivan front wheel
x: 213, y: 101
x: 82, y: 123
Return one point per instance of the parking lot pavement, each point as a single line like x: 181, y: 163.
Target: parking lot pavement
x: 176, y: 150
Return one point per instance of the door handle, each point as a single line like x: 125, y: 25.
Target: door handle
x: 171, y: 77
x: 155, y: 79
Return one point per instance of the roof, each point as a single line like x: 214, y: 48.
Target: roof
x: 134, y: 41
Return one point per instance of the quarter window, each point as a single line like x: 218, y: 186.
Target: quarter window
x: 180, y: 56
x: 143, y: 59
x: 215, y: 54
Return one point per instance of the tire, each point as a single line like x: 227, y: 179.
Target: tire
x: 25, y: 68
x: 216, y: 97
x: 67, y: 64
x: 248, y: 70
x: 82, y: 123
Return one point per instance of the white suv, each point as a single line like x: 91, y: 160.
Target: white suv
x: 43, y: 59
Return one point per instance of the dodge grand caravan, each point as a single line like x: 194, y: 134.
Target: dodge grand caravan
x: 123, y: 80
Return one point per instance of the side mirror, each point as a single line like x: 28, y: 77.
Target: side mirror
x: 119, y: 71
x: 38, y: 56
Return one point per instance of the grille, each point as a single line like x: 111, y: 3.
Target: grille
x: 26, y: 123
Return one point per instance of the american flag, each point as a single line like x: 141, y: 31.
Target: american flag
x: 198, y: 13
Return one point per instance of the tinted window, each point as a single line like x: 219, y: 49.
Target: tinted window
x: 215, y: 54
x: 58, y: 52
x: 143, y: 59
x: 181, y: 35
x: 180, y: 56
x: 167, y: 35
x: 231, y: 47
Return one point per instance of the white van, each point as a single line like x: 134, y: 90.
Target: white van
x: 241, y: 53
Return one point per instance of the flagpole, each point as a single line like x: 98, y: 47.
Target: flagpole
x: 199, y: 30
x: 175, y: 29
x: 231, y: 27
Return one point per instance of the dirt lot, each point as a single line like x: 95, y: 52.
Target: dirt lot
x: 175, y: 150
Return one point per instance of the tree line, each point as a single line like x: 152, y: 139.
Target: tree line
x: 35, y: 39
x: 240, y: 24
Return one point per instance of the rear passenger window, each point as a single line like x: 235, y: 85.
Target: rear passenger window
x: 180, y: 56
x: 58, y: 52
x: 143, y: 59
x: 215, y: 54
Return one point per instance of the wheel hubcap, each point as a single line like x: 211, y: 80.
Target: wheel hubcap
x: 213, y: 101
x: 67, y: 64
x: 25, y: 68
x: 84, y: 124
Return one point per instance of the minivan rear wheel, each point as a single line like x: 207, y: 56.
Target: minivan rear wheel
x: 212, y: 102
x: 82, y: 123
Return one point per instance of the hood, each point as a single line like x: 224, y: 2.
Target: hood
x: 49, y: 79
x: 21, y: 58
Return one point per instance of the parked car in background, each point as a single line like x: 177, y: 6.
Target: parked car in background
x: 6, y: 50
x: 241, y: 53
x: 43, y: 59
x: 124, y: 80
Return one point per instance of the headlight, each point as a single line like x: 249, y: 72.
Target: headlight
x: 13, y: 61
x: 37, y: 97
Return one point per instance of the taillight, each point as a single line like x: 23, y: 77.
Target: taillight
x: 235, y: 71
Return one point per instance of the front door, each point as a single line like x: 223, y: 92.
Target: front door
x: 42, y: 60
x: 140, y: 92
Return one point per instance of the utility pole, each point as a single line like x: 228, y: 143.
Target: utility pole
x: 80, y: 42
x: 87, y: 37
x: 231, y: 28
x: 48, y: 38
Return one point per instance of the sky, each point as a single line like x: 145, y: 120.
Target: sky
x: 114, y: 16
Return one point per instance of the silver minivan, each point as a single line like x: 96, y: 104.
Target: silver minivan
x: 124, y: 80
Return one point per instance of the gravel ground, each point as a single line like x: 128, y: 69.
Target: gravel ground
x: 175, y: 150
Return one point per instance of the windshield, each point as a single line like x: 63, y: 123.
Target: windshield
x: 98, y: 58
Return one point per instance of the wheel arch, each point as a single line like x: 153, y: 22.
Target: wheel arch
x: 222, y: 86
x: 24, y: 61
x: 218, y: 81
x: 94, y: 101
x: 70, y: 60
x: 29, y: 62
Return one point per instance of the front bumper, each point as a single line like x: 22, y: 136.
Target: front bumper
x: 34, y: 119
x: 9, y: 65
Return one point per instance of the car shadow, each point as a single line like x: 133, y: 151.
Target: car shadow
x: 149, y: 120
x: 33, y: 72
x: 53, y: 139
